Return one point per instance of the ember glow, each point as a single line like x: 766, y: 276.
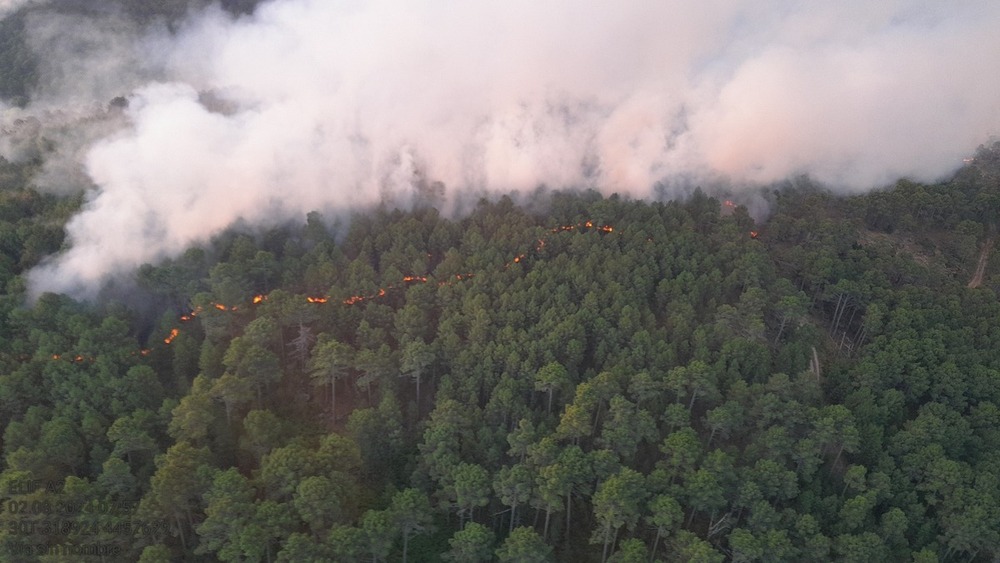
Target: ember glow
x: 588, y: 224
x: 381, y: 292
x: 173, y: 334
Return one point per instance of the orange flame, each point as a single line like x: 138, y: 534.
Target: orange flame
x: 258, y: 298
x: 317, y: 299
x: 753, y: 234
x: 607, y: 229
x: 144, y: 351
x: 729, y: 203
x: 588, y: 224
x: 219, y: 306
x: 55, y: 356
x: 173, y: 334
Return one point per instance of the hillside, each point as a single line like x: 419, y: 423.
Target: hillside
x: 586, y: 379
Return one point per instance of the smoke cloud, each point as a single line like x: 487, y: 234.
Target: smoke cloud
x: 9, y: 6
x: 312, y: 104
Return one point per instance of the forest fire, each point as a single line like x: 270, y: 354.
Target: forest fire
x: 753, y: 234
x: 355, y: 299
x: 588, y: 224
x: 173, y: 334
x: 381, y: 292
x: 77, y: 359
x: 194, y: 313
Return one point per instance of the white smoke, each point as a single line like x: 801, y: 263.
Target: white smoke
x: 8, y: 7
x: 315, y: 104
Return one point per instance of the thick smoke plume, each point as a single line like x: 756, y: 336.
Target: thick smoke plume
x: 313, y: 104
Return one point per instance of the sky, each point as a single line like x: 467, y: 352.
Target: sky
x: 335, y: 106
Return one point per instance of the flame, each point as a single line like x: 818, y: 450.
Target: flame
x: 753, y: 234
x: 259, y: 298
x: 173, y: 334
x: 729, y: 203
x: 588, y: 224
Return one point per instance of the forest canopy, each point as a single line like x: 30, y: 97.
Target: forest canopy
x: 581, y: 379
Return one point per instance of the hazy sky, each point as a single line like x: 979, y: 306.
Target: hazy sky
x: 332, y: 105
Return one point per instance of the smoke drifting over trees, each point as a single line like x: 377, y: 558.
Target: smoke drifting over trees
x: 309, y: 104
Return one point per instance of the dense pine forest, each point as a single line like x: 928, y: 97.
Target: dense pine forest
x: 577, y: 378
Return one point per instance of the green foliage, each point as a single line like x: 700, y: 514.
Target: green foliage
x: 670, y: 390
x: 524, y: 545
x: 472, y: 543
